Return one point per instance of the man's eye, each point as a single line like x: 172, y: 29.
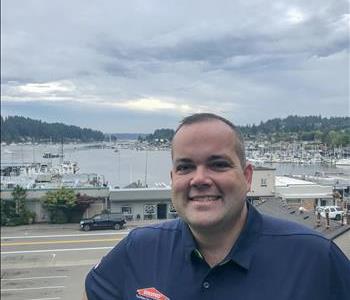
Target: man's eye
x: 220, y: 165
x: 183, y: 168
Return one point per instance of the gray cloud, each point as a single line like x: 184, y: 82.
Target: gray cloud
x: 249, y: 60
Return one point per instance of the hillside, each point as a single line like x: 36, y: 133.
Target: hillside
x: 334, y: 131
x: 20, y: 129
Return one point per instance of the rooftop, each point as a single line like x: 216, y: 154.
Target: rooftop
x: 278, y: 208
x: 285, y: 181
x: 257, y: 168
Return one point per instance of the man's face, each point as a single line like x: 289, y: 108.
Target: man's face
x: 209, y: 185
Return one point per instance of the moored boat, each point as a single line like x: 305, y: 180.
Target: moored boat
x: 343, y: 162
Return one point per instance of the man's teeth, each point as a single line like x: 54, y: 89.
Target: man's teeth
x: 204, y: 198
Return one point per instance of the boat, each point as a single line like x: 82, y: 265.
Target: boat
x: 343, y: 162
x: 47, y: 176
x: 51, y: 155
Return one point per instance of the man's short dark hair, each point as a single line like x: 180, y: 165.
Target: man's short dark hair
x: 202, y: 117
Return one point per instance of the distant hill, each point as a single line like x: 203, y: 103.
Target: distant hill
x: 333, y: 131
x: 21, y: 129
x: 163, y: 133
x: 125, y: 136
x: 297, y: 124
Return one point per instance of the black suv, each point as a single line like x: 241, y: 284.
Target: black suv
x: 103, y: 221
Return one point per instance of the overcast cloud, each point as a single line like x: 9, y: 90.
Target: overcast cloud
x: 136, y: 66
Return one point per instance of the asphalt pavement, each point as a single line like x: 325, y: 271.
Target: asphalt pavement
x: 50, y: 262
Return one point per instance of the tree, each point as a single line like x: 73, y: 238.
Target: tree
x: 83, y: 201
x: 14, y: 211
x: 59, y: 203
x: 18, y: 129
x: 19, y: 196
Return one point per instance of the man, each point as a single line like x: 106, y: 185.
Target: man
x: 221, y: 247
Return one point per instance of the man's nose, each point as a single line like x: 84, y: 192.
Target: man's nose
x: 200, y: 178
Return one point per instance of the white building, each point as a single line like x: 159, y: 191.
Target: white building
x: 155, y: 203
x: 297, y: 192
x: 263, y: 184
x: 141, y: 203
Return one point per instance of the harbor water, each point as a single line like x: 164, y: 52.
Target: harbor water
x: 125, y: 165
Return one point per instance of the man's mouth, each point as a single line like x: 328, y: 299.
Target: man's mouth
x: 205, y: 198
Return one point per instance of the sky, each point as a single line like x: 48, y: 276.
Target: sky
x: 135, y: 66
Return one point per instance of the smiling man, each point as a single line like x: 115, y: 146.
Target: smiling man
x: 210, y: 180
x: 221, y: 247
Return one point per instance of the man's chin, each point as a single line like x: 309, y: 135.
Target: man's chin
x: 204, y: 224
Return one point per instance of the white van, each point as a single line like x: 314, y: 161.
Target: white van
x: 335, y: 212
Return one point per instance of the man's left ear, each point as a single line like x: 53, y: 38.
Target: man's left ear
x: 248, y: 173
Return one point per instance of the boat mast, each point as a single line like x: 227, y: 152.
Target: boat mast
x: 61, y: 156
x: 146, y: 168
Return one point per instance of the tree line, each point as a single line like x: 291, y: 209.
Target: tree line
x: 334, y: 131
x: 159, y: 134
x: 16, y: 129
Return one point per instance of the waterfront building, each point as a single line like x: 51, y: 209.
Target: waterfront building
x: 34, y: 196
x: 146, y: 203
x: 298, y: 192
x: 155, y: 203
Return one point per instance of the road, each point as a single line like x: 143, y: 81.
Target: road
x: 50, y: 263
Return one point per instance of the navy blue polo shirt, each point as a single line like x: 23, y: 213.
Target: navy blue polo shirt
x: 272, y: 259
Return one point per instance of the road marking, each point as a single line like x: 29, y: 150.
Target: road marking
x: 55, y: 298
x: 30, y: 278
x: 54, y: 250
x: 59, y: 242
x: 34, y: 288
x: 63, y: 235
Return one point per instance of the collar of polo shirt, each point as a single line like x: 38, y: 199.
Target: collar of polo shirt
x: 241, y: 252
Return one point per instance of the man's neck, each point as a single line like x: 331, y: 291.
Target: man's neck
x: 215, y: 245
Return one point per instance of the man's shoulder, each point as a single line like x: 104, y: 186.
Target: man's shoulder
x: 288, y: 235
x: 164, y: 230
x: 272, y: 226
x: 169, y: 225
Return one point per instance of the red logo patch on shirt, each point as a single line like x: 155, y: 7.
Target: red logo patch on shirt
x: 150, y: 294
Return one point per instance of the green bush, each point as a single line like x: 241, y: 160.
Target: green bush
x: 58, y: 216
x: 14, y: 212
x: 59, y: 203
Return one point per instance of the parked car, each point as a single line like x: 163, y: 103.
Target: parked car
x: 103, y: 221
x: 335, y: 212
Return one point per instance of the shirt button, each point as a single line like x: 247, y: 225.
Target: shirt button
x: 206, y: 284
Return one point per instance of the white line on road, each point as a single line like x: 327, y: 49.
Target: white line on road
x: 55, y: 298
x: 54, y: 250
x: 34, y: 288
x: 30, y: 278
x: 63, y: 235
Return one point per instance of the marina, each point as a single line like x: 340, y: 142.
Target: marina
x: 131, y: 177
x: 120, y: 164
